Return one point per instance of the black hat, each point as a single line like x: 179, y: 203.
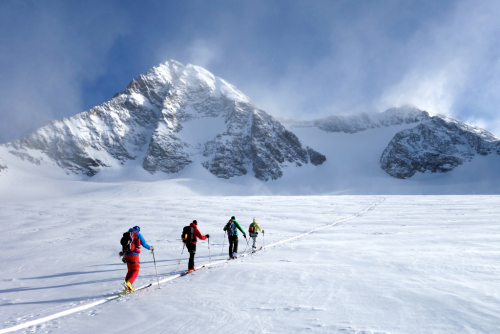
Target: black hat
x: 233, y: 217
x: 195, y: 222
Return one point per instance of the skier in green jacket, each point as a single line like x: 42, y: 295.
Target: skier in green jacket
x: 252, y: 232
x: 232, y: 228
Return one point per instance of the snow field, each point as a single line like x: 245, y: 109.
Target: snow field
x: 413, y: 264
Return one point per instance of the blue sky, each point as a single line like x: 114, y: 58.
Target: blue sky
x: 301, y: 59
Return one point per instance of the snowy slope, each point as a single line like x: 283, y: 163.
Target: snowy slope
x: 420, y: 264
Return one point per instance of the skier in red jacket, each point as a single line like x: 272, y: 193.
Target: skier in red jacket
x: 191, y: 246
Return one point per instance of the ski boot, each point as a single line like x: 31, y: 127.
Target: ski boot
x: 128, y: 286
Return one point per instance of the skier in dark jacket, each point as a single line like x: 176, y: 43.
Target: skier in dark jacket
x: 191, y: 246
x: 132, y: 259
x: 232, y: 228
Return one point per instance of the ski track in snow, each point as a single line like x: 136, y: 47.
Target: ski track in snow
x: 102, y: 301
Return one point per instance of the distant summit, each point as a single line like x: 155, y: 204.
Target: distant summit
x: 436, y: 146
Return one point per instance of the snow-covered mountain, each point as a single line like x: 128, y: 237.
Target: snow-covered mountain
x: 164, y: 119
x: 438, y: 146
x: 184, y: 125
x: 435, y: 144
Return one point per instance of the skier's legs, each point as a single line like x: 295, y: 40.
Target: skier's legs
x: 231, y: 244
x: 192, y: 251
x: 191, y: 261
x: 235, y: 244
x: 134, y: 273
x: 133, y: 268
x: 254, y: 237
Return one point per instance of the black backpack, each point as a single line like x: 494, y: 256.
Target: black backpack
x: 187, y: 234
x: 127, y: 241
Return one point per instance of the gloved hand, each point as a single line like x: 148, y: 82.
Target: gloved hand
x: 208, y: 235
x: 124, y: 260
x: 262, y: 231
x: 244, y: 235
x: 151, y: 248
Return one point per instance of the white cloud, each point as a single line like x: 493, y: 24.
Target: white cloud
x: 202, y: 53
x: 46, y: 58
x: 452, y: 69
x: 432, y: 89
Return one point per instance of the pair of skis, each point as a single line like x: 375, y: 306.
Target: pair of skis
x: 245, y: 254
x: 128, y: 292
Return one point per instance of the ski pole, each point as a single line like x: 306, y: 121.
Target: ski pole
x: 247, y: 243
x: 180, y: 257
x: 154, y: 260
x: 209, y: 257
x: 223, y: 243
x: 263, y: 240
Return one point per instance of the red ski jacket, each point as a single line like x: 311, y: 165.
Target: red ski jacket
x: 197, y: 233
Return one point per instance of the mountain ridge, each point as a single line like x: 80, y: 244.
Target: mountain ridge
x: 406, y: 114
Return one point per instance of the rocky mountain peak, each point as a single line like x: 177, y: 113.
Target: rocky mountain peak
x: 151, y: 121
x: 436, y: 146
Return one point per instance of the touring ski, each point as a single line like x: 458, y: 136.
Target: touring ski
x: 130, y: 292
x: 187, y: 271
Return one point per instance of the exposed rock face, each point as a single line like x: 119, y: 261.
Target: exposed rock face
x: 255, y: 140
x: 436, y: 146
x: 316, y: 157
x: 3, y: 166
x: 356, y: 123
x: 145, y: 121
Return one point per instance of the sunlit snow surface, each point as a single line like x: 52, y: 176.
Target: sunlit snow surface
x: 413, y: 264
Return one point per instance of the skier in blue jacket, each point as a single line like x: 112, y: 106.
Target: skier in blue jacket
x: 132, y: 258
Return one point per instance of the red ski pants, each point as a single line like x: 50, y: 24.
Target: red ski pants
x: 133, y: 268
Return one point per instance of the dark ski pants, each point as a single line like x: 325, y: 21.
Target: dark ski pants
x: 192, y: 251
x: 233, y: 244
